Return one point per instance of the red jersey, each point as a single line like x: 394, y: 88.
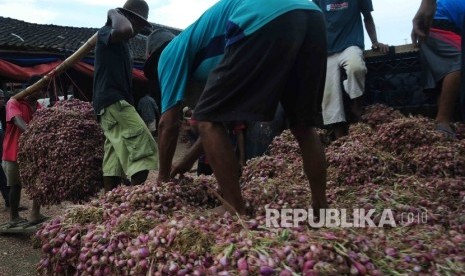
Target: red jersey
x: 15, y: 108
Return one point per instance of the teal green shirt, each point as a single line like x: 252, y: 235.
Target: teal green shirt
x: 200, y: 47
x: 344, y: 26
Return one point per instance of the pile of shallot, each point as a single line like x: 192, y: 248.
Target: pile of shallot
x: 166, y: 230
x: 60, y: 154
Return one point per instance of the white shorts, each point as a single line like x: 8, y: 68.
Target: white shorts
x: 351, y: 60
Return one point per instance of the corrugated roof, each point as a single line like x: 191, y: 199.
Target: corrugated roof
x: 21, y: 36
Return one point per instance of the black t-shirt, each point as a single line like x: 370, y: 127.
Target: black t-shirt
x: 113, y: 71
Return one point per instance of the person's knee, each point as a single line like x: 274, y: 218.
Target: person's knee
x: 355, y: 64
x: 356, y: 67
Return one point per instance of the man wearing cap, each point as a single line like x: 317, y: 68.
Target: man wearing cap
x: 253, y: 54
x: 129, y: 146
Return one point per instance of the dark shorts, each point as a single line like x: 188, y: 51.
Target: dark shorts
x: 285, y: 61
x: 442, y: 56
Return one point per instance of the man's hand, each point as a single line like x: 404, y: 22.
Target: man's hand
x: 188, y: 160
x: 378, y: 46
x: 176, y: 169
x: 111, y: 14
x: 422, y: 21
x: 20, y: 123
x: 122, y: 28
x: 180, y: 168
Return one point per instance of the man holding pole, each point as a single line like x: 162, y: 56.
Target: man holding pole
x: 18, y: 115
x: 130, y: 148
x: 4, y: 190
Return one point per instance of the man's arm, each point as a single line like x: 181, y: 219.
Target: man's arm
x: 13, y: 114
x: 168, y: 131
x: 188, y: 159
x: 371, y: 30
x: 20, y: 123
x: 121, y: 26
x: 422, y: 21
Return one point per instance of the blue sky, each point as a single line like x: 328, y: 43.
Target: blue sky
x: 392, y: 17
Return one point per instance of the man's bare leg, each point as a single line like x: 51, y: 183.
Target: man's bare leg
x: 357, y: 108
x: 340, y: 129
x: 314, y: 163
x: 447, y: 100
x: 36, y: 216
x: 224, y: 163
x: 15, y: 198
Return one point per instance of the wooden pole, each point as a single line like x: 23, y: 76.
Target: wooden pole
x: 65, y: 65
x: 222, y: 200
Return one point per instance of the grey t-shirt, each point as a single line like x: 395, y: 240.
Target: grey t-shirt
x: 148, y: 109
x: 113, y: 71
x: 344, y: 22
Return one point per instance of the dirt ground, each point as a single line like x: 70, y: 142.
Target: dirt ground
x: 17, y: 256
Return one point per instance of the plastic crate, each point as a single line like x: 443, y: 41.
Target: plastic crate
x: 395, y: 79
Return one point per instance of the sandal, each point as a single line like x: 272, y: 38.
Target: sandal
x: 447, y: 131
x: 16, y: 222
x: 38, y: 221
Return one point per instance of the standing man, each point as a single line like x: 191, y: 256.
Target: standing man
x: 148, y: 111
x: 345, y: 52
x: 441, y: 52
x: 18, y: 115
x: 253, y: 54
x: 421, y: 27
x: 129, y: 146
x: 4, y: 190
